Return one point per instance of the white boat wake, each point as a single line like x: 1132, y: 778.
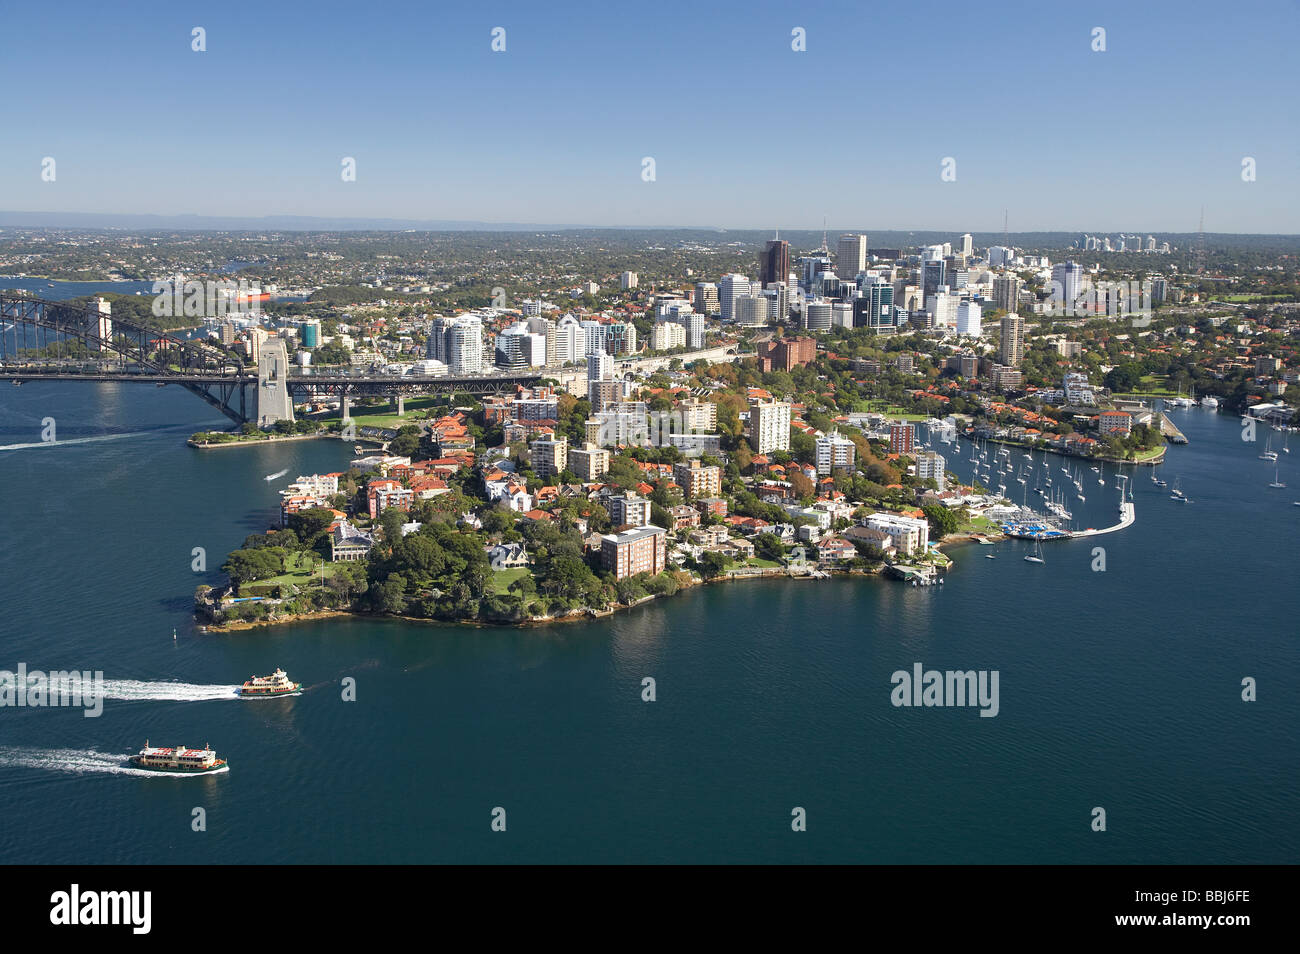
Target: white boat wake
x: 77, y: 760
x: 74, y: 440
x: 276, y: 476
x: 134, y: 690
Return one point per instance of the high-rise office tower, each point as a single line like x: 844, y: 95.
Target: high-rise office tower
x: 1067, y: 278
x: 852, y: 258
x: 817, y: 315
x: 967, y: 245
x: 510, y: 352
x: 932, y: 277
x: 753, y: 310
x: 875, y: 309
x: 810, y: 266
x: 730, y: 288
x: 776, y: 262
x: 778, y: 301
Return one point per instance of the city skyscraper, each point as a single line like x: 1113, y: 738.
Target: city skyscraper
x: 1006, y: 292
x: 1067, y: 278
x: 769, y: 426
x: 968, y: 318
x: 457, y: 343
x: 932, y: 277
x: 852, y: 257
x: 875, y: 309
x: 1011, y: 349
x: 776, y: 262
x: 706, y: 298
x: 600, y: 366
x: 465, y: 346
x: 730, y: 288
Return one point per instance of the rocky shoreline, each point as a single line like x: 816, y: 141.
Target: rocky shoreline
x: 586, y: 614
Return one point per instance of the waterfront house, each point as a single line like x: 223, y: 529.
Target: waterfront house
x: 348, y: 544
x: 709, y: 536
x: 808, y: 533
x: 736, y: 548
x: 877, y: 542
x: 835, y: 550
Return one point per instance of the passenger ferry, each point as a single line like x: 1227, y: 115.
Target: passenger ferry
x: 276, y: 684
x: 180, y: 760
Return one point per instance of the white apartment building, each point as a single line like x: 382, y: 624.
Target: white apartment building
x: 910, y: 534
x: 769, y: 426
x: 968, y: 319
x: 834, y: 453
x: 666, y: 335
x: 931, y: 466
x: 730, y: 288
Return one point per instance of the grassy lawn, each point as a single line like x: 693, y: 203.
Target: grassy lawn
x: 760, y: 562
x: 385, y: 415
x: 1153, y: 385
x: 890, y: 410
x: 303, y: 568
x: 500, y: 580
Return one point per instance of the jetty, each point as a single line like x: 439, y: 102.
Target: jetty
x: 1172, y: 434
x: 1126, y: 518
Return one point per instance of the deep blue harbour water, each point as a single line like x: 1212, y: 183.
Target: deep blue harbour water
x: 1118, y: 689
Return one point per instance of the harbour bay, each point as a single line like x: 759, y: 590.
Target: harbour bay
x: 1119, y: 688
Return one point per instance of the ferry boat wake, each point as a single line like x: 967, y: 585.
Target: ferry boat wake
x: 134, y: 690
x: 71, y: 760
x: 73, y: 440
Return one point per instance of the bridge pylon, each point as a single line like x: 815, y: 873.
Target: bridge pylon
x: 273, y: 402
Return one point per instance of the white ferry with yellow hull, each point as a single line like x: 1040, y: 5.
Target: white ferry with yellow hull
x: 276, y: 684
x: 179, y: 760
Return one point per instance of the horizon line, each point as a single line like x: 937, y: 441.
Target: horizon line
x: 453, y: 225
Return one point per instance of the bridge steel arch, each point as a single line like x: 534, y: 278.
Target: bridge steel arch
x: 204, y: 368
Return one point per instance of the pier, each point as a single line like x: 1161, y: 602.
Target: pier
x: 1172, y: 434
x: 1126, y: 518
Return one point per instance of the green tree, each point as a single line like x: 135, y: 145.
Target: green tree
x: 942, y: 520
x: 712, y: 564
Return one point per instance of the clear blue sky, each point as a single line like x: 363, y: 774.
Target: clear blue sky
x: 745, y: 132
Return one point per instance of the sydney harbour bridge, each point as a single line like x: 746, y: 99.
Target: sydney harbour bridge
x: 66, y: 341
